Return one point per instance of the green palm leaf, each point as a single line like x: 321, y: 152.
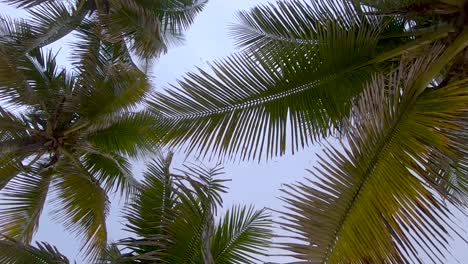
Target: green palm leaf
x: 375, y: 200
x: 113, y: 171
x: 8, y: 170
x: 83, y: 205
x: 53, y: 20
x: 15, y: 252
x: 152, y: 209
x: 241, y: 236
x: 279, y: 97
x: 128, y: 134
x: 177, y: 16
x: 22, y: 203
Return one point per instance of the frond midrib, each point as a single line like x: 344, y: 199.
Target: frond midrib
x: 243, y: 105
x: 315, y: 83
x: 380, y: 152
x: 58, y: 30
x: 237, y: 236
x: 278, y: 38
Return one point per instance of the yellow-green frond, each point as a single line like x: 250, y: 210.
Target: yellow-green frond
x: 377, y: 199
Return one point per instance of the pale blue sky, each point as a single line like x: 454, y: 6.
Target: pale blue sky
x: 208, y: 39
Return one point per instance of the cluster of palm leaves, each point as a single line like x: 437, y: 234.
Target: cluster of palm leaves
x: 173, y: 220
x: 388, y: 79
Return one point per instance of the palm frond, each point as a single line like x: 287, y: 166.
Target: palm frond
x: 15, y: 252
x: 174, y: 214
x: 262, y: 104
x: 293, y: 24
x: 22, y: 203
x: 109, y: 90
x: 241, y: 236
x: 244, y: 107
x: 81, y: 205
x: 14, y: 85
x: 31, y: 80
x: 376, y: 200
x: 112, y: 255
x: 112, y: 171
x: 25, y: 3
x: 191, y: 230
x: 152, y: 209
x: 51, y: 21
x: 177, y: 16
x: 19, y: 137
x: 8, y: 170
x: 127, y: 133
x: 140, y: 26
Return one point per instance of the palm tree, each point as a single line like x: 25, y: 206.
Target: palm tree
x: 146, y: 27
x: 67, y: 136
x: 172, y: 219
x: 302, y: 67
x: 389, y: 76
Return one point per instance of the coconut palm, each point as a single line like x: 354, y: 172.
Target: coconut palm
x: 172, y: 219
x: 147, y: 27
x: 67, y: 136
x: 303, y: 65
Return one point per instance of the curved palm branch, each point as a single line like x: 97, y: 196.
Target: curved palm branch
x: 23, y: 201
x: 376, y: 200
x: 15, y: 252
x: 241, y: 235
x: 69, y: 139
x: 304, y: 65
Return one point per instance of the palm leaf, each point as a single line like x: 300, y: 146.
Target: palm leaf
x: 8, y: 170
x: 15, y: 252
x: 376, y: 200
x: 83, y: 205
x: 177, y: 16
x: 262, y: 104
x: 293, y: 24
x: 126, y: 133
x: 111, y: 170
x: 173, y: 214
x: 25, y: 3
x: 241, y: 235
x: 139, y: 25
x: 22, y: 203
x: 107, y: 85
x: 32, y: 79
x: 149, y: 27
x: 152, y: 209
x: 53, y: 20
x: 197, y: 199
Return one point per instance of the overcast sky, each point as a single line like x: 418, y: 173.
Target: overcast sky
x: 252, y: 183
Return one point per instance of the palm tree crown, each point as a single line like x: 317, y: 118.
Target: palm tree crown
x: 66, y: 136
